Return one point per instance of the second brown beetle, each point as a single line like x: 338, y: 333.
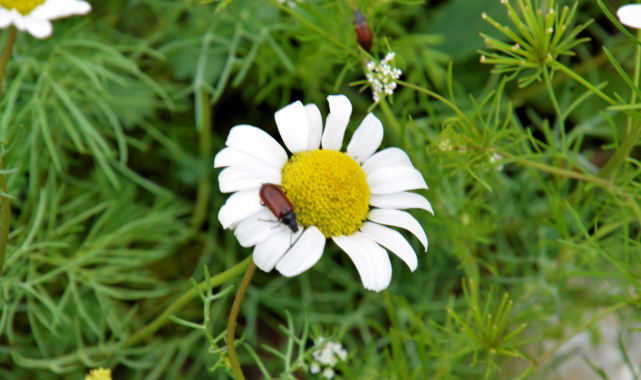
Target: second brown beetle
x: 363, y: 32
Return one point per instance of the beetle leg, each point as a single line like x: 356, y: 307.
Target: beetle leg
x: 273, y: 221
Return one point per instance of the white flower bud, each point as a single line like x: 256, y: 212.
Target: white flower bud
x: 328, y: 373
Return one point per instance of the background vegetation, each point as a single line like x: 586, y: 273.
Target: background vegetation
x: 113, y: 124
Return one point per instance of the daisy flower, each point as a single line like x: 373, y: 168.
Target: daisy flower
x: 630, y: 15
x: 333, y: 192
x: 34, y: 15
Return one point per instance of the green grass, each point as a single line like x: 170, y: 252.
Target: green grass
x: 113, y: 124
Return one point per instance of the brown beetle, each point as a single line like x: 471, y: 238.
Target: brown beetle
x: 274, y: 198
x: 363, y: 32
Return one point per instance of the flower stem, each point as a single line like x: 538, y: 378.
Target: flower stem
x: 557, y: 108
x: 309, y: 24
x: 637, y: 72
x: 621, y: 153
x: 6, y: 53
x: 585, y: 83
x: 5, y: 204
x: 536, y: 362
x: 630, y: 140
x: 203, y: 194
x: 231, y: 325
x: 391, y: 119
x: 439, y: 97
x: 185, y: 299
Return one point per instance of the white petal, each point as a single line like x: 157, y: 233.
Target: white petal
x: 351, y: 246
x: 39, y: 28
x: 270, y: 251
x: 394, y: 179
x: 387, y: 157
x: 400, y: 201
x: 6, y: 18
x: 305, y: 253
x: 258, y: 143
x: 237, y: 178
x: 292, y: 126
x: 340, y: 109
x: 400, y: 219
x: 630, y: 15
x: 257, y: 228
x: 239, y: 206
x: 53, y: 9
x: 19, y: 20
x: 371, y: 261
x: 366, y: 139
x: 234, y: 157
x: 393, y: 241
x: 315, y: 124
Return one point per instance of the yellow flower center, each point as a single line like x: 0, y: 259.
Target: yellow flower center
x: 329, y: 190
x: 23, y: 7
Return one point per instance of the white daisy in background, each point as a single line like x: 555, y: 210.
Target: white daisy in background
x: 33, y: 15
x: 331, y: 190
x: 630, y: 15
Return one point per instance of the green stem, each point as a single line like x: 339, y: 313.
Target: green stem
x: 578, y: 330
x: 557, y: 108
x: 557, y: 171
x: 389, y: 115
x: 231, y: 326
x: 588, y: 85
x: 309, y: 24
x: 594, y: 63
x: 6, y: 53
x: 630, y: 140
x: 389, y: 307
x: 204, y: 134
x: 5, y: 204
x: 567, y: 173
x: 185, y: 299
x: 622, y: 152
x: 633, y: 130
x: 637, y: 71
x: 437, y: 96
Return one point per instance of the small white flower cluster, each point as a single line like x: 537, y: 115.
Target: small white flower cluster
x: 383, y: 76
x: 497, y: 158
x: 327, y: 356
x: 445, y: 145
x: 289, y: 3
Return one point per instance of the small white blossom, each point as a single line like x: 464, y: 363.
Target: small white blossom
x: 445, y: 145
x: 382, y: 77
x: 497, y: 158
x: 327, y: 357
x: 328, y: 373
x: 289, y: 3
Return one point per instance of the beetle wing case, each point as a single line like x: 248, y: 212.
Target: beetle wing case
x: 274, y: 198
